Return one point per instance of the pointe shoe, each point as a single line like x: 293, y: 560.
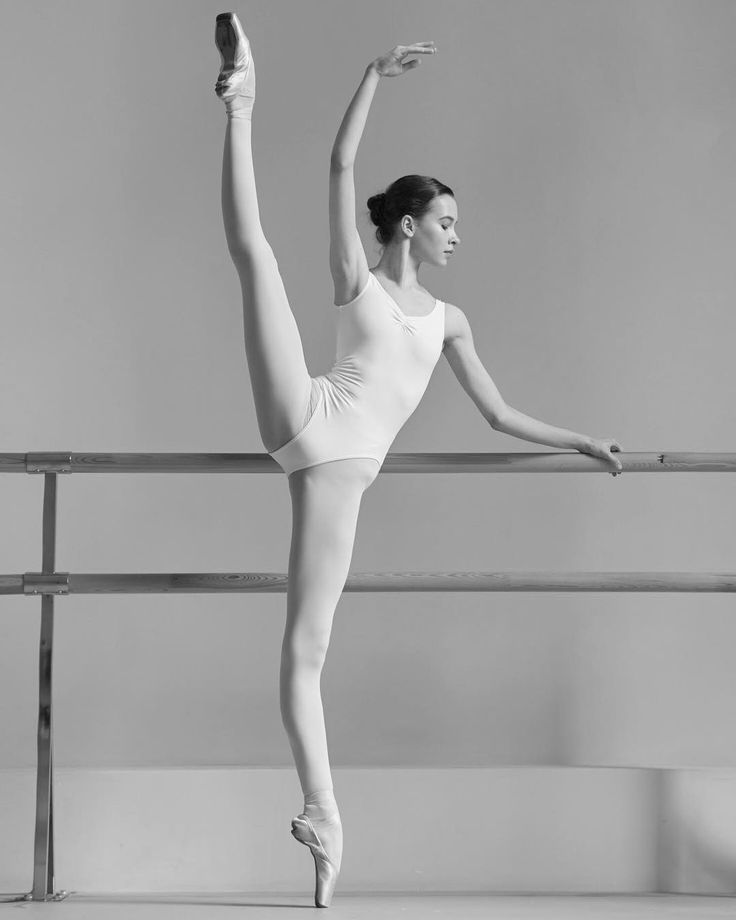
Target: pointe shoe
x: 303, y: 830
x: 236, y: 83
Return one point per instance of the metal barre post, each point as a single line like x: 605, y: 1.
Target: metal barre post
x: 43, y: 849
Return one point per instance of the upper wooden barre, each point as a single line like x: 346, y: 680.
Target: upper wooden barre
x: 514, y: 462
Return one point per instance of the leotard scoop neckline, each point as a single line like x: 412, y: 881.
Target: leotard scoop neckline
x: 407, y: 315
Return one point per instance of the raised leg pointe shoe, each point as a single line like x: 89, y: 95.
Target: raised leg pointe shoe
x: 236, y: 83
x: 327, y: 871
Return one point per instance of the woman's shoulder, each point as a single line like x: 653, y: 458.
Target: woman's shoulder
x: 456, y: 323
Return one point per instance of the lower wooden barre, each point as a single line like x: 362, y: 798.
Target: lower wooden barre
x: 270, y: 582
x: 11, y: 584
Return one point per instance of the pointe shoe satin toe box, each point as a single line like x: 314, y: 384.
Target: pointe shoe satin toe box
x: 234, y: 48
x: 303, y: 830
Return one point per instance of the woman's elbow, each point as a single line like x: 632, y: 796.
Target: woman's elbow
x: 340, y: 160
x: 498, y: 415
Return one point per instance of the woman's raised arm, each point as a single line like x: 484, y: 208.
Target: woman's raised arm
x: 348, y: 263
x: 391, y: 64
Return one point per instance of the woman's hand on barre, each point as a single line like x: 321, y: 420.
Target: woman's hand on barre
x: 392, y: 63
x: 604, y: 448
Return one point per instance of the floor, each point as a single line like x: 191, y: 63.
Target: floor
x: 383, y: 906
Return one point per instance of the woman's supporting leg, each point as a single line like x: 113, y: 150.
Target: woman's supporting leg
x: 278, y: 372
x: 325, y: 504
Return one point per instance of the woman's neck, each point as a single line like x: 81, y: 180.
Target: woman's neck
x: 397, y: 265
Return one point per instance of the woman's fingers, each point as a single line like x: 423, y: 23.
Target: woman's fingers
x: 417, y: 48
x: 615, y: 446
x: 605, y: 448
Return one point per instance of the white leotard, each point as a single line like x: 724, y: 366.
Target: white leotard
x: 383, y: 365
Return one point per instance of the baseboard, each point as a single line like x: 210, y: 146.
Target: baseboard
x: 505, y: 829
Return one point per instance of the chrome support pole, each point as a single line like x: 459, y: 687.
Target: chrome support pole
x: 43, y: 849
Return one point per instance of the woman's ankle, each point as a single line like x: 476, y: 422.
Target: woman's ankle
x: 321, y: 805
x: 240, y: 107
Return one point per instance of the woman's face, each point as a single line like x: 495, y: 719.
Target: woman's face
x: 435, y: 233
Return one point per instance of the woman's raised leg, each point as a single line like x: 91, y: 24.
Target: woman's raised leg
x: 279, y: 376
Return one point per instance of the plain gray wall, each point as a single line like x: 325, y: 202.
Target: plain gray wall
x: 592, y: 150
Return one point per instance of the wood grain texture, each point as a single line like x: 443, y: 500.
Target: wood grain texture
x: 269, y: 582
x: 514, y: 462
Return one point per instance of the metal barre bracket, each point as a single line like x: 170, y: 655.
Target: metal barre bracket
x: 43, y: 583
x: 49, y: 463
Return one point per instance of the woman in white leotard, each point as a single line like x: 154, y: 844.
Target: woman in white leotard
x: 331, y: 433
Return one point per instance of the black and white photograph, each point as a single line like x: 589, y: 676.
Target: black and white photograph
x: 307, y: 307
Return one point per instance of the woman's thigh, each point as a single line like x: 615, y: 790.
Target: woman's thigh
x: 279, y: 376
x: 325, y: 505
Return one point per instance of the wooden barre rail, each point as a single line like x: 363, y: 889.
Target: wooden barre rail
x: 275, y: 583
x: 515, y: 462
x: 48, y: 582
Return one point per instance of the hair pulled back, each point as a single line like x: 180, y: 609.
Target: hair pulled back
x: 407, y: 195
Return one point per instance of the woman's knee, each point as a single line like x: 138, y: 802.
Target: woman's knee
x: 304, y: 653
x: 251, y: 254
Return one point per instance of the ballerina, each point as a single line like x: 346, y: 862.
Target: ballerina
x: 331, y: 433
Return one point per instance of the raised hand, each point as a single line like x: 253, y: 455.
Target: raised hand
x: 603, y: 448
x: 392, y: 64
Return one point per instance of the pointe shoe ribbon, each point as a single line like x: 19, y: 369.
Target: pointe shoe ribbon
x: 303, y: 830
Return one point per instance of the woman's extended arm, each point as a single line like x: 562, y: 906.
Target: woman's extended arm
x: 459, y: 349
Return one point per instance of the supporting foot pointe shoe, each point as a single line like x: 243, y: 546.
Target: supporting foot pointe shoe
x: 327, y: 872
x: 236, y: 83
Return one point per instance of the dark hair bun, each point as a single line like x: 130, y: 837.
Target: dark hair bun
x: 377, y: 207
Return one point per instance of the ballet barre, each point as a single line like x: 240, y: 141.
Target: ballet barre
x: 49, y: 582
